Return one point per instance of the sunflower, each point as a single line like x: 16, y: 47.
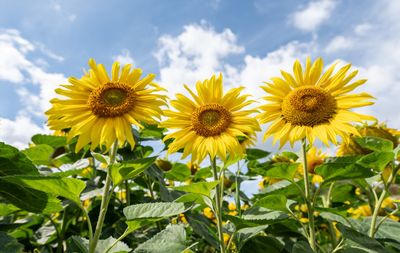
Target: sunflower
x: 375, y: 130
x: 101, y: 110
x: 312, y: 104
x: 211, y: 123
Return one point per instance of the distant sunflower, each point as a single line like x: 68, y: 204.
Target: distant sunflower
x: 212, y: 123
x: 312, y: 104
x: 101, y: 110
x: 375, y: 130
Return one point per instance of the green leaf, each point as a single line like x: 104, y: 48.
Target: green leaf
x: 334, y: 217
x: 136, y: 224
x: 333, y: 171
x: 375, y: 143
x: 103, y: 246
x: 51, y: 140
x: 376, y: 160
x: 130, y: 169
x: 245, y: 234
x: 260, y: 213
x: 302, y: 247
x: 361, y: 239
x: 29, y: 199
x: 193, y: 197
x: 152, y: 132
x: 283, y: 170
x: 77, y: 244
x: 263, y: 244
x: 273, y: 202
x: 6, y: 209
x: 13, y: 162
x: 171, y: 239
x: 203, y: 188
x: 255, y: 153
x: 203, y: 227
x: 9, y: 244
x: 69, y: 188
x: 179, y: 172
x: 39, y: 154
x: 154, y: 210
x: 100, y: 157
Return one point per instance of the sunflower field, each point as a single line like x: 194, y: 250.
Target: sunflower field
x: 128, y: 169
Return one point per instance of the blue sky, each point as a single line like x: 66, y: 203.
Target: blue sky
x: 43, y: 42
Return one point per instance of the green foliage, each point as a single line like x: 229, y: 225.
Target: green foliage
x: 342, y: 168
x: 203, y: 188
x: 375, y: 143
x: 9, y: 244
x: 130, y: 169
x: 171, y: 239
x: 283, y: 171
x: 255, y: 154
x: 154, y: 210
x: 48, y: 192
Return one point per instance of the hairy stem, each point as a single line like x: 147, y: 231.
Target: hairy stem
x: 310, y: 204
x: 218, y: 204
x: 378, y: 204
x: 105, y: 200
x: 237, y: 192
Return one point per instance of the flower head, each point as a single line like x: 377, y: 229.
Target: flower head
x: 101, y: 110
x: 312, y: 104
x: 376, y: 130
x: 211, y: 123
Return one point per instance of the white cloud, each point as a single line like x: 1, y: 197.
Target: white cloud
x: 313, y: 15
x: 18, y: 132
x: 124, y: 57
x: 195, y: 54
x: 49, y: 52
x: 363, y: 28
x: 35, y: 86
x: 339, y: 43
x: 257, y: 69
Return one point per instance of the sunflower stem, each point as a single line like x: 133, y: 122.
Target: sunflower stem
x: 310, y: 205
x: 218, y: 204
x: 105, y: 200
x: 237, y: 192
x: 378, y: 204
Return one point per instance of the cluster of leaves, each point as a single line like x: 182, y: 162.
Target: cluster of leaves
x: 50, y: 196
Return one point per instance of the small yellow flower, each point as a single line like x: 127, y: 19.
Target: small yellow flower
x: 361, y: 211
x: 121, y: 195
x: 317, y: 179
x: 304, y: 220
x: 358, y: 191
x: 183, y: 219
x: 86, y: 171
x: 244, y: 207
x: 208, y: 213
x: 226, y: 238
x: 388, y: 203
x: 267, y: 181
x: 86, y: 203
x: 231, y: 206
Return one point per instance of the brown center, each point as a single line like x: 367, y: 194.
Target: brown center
x: 112, y: 100
x: 210, y: 120
x: 308, y: 106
